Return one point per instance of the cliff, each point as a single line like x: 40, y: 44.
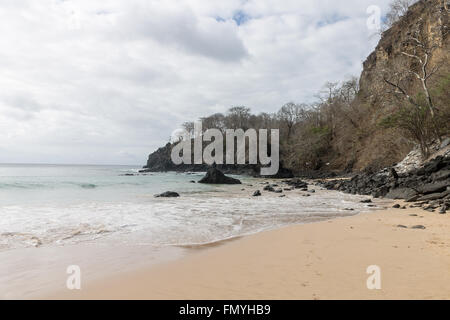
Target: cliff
x: 379, y: 147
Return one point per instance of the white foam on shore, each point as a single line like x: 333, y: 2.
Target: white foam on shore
x: 194, y: 218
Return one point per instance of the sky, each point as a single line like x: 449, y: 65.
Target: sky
x: 108, y: 81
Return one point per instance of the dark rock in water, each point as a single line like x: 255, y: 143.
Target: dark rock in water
x: 401, y: 193
x: 396, y: 206
x: 215, y: 176
x: 128, y: 175
x: 418, y: 227
x: 269, y: 188
x: 402, y: 226
x: 366, y: 201
x: 312, y: 191
x: 192, y: 181
x: 278, y: 191
x: 168, y: 194
x: 282, y: 196
x: 257, y: 193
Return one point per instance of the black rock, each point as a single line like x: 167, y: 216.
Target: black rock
x: 366, y: 201
x: 401, y: 193
x: 269, y: 188
x: 440, y: 175
x: 434, y: 187
x: 215, y: 176
x: 434, y: 196
x: 418, y: 227
x: 168, y: 194
x: 257, y: 193
x: 402, y: 226
x: 297, y: 183
x: 278, y: 191
x: 396, y: 206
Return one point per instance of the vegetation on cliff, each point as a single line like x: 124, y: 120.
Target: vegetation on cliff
x: 401, y: 99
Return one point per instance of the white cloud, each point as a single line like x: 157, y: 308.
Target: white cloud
x: 92, y: 81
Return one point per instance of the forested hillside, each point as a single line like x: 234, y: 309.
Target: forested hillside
x: 400, y: 100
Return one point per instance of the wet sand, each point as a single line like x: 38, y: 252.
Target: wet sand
x: 323, y: 260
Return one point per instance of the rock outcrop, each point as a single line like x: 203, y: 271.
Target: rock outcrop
x: 215, y: 176
x: 429, y: 184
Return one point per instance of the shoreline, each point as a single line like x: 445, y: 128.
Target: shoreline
x: 320, y: 260
x: 32, y: 272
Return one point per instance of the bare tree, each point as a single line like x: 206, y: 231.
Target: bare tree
x: 397, y: 9
x: 290, y: 115
x: 418, y: 47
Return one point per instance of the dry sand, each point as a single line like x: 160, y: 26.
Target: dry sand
x: 325, y: 260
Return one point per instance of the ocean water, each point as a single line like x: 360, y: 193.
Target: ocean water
x: 57, y: 205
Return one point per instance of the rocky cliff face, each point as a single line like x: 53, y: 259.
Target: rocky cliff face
x: 380, y: 147
x: 431, y: 16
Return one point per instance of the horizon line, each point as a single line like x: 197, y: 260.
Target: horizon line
x: 67, y: 164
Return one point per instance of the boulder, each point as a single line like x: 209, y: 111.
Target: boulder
x: 434, y: 187
x: 215, y: 176
x: 434, y: 196
x: 296, y: 183
x: 257, y: 193
x: 167, y: 194
x: 401, y: 193
x: 440, y: 175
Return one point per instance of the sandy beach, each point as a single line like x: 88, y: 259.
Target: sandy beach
x: 323, y: 260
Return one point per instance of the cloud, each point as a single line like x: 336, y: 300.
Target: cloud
x: 92, y: 81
